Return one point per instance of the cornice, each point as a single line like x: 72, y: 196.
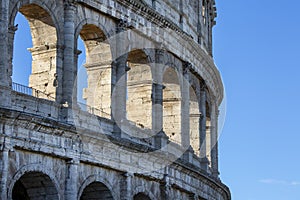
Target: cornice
x: 207, y: 70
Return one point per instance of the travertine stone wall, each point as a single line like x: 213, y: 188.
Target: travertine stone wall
x: 139, y: 90
x: 172, y: 105
x: 150, y: 130
x: 72, y: 164
x: 98, y: 65
x: 194, y: 121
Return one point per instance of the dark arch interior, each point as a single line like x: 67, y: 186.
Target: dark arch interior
x: 34, y: 186
x: 96, y: 191
x: 141, y: 196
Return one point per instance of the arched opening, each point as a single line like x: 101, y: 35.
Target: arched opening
x: 172, y: 105
x: 208, y: 133
x: 98, y: 59
x: 139, y: 90
x: 194, y: 121
x: 42, y: 81
x: 82, y: 78
x: 96, y: 191
x: 22, y: 57
x: 141, y: 196
x: 34, y: 186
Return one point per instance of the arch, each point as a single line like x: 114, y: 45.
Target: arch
x: 141, y: 196
x: 33, y: 186
x: 172, y: 105
x: 95, y: 181
x: 48, y: 6
x: 143, y: 192
x: 91, y: 21
x: 139, y: 89
x: 31, y: 178
x: 96, y: 190
x: 44, y: 30
x: 99, y: 70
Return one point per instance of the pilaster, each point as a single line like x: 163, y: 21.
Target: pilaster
x: 5, y: 85
x: 202, y: 126
x: 126, y: 189
x: 3, y: 42
x: 185, y: 106
x: 119, y: 87
x: 119, y: 77
x: 69, y: 68
x: 71, y: 180
x: 214, y: 140
x: 161, y: 138
x: 4, y: 167
x: 6, y: 147
x: 165, y: 186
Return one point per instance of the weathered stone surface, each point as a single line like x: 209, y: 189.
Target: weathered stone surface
x: 149, y: 129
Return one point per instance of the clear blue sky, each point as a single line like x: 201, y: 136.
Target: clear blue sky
x: 257, y: 49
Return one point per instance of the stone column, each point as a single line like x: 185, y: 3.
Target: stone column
x: 202, y: 126
x: 71, y: 189
x: 4, y: 66
x: 119, y: 87
x: 214, y: 140
x: 185, y: 106
x: 69, y: 68
x: 161, y: 138
x: 157, y: 107
x: 119, y: 78
x: 165, y: 186
x: 4, y: 167
x: 126, y: 190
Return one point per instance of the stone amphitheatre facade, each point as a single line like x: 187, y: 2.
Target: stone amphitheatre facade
x: 148, y: 128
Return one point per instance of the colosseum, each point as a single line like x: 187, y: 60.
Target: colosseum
x: 147, y: 127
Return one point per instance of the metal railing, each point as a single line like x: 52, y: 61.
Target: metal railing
x: 39, y: 94
x: 31, y: 91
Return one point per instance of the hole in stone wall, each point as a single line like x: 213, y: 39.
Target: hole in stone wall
x: 194, y: 121
x: 81, y: 72
x: 94, y: 71
x: 172, y: 105
x: 34, y: 41
x: 139, y: 89
x: 22, y: 58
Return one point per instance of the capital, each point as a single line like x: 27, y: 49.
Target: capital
x: 186, y: 67
x: 70, y: 4
x: 122, y: 25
